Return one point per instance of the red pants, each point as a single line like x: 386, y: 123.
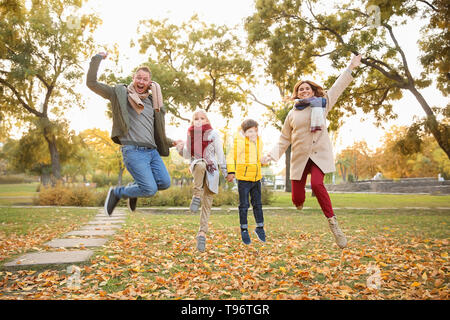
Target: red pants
x: 298, y: 188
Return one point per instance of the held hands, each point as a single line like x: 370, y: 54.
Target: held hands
x: 103, y: 54
x: 179, y: 144
x: 356, y: 61
x: 230, y: 177
x: 266, y: 159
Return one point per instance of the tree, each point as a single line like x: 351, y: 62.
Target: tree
x: 40, y: 53
x: 29, y: 154
x: 107, y: 153
x: 197, y: 65
x: 359, y: 160
x: 296, y: 34
x: 401, y: 157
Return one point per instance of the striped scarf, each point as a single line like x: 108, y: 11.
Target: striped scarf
x: 135, y: 98
x: 197, y: 142
x: 317, y: 105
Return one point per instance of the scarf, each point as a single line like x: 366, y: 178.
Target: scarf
x: 317, y: 105
x: 135, y: 98
x: 195, y: 136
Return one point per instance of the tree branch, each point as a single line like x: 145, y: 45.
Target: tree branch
x: 397, y: 46
x: 429, y: 4
x: 19, y: 98
x: 254, y: 98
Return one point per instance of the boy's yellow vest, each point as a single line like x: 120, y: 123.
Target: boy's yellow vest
x: 244, y: 158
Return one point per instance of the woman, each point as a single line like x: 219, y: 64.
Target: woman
x: 311, y: 152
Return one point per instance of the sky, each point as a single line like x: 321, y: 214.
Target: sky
x: 120, y: 22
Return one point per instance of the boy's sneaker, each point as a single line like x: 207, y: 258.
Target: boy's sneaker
x: 131, y: 204
x: 111, y: 202
x: 245, y: 236
x: 261, y: 234
x: 195, y: 204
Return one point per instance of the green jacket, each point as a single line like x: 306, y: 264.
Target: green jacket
x: 118, y: 97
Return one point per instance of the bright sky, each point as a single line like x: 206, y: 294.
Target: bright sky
x: 120, y: 21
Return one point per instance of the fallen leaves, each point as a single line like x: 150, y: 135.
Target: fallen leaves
x: 154, y: 258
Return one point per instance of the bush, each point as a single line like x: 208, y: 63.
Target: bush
x: 181, y: 197
x: 65, y: 196
x: 102, y: 180
x: 173, y: 197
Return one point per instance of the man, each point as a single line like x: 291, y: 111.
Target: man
x: 138, y: 125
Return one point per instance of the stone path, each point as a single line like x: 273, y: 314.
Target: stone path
x: 62, y: 251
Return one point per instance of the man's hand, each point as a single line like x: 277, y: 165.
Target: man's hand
x: 103, y: 54
x: 230, y: 177
x: 179, y: 144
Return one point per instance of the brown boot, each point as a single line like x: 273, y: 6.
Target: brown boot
x: 339, y: 236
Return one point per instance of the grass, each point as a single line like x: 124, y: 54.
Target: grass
x: 24, y: 221
x: 18, y: 194
x: 359, y: 200
x: 154, y: 257
x: 22, y: 194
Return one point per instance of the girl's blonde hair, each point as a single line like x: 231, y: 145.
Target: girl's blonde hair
x: 197, y: 112
x: 318, y: 90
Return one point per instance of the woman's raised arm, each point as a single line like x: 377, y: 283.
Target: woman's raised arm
x: 342, y: 82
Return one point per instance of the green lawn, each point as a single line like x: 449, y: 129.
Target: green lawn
x: 360, y: 200
x: 18, y: 194
x: 23, y: 194
x: 154, y: 257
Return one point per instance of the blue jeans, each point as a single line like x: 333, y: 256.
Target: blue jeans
x: 148, y: 170
x: 246, y: 188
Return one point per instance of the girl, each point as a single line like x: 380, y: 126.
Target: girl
x: 203, y: 145
x: 305, y: 130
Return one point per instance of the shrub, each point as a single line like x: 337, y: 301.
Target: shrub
x: 65, y: 196
x: 102, y: 180
x: 181, y: 197
x: 82, y: 196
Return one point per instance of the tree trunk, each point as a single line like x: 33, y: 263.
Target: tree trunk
x: 54, y: 156
x: 45, y: 178
x: 432, y: 124
x: 287, y: 180
x: 119, y: 180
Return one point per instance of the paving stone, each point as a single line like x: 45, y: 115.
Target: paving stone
x: 105, y: 222
x: 73, y: 243
x: 109, y: 218
x: 90, y: 233
x: 60, y: 257
x: 101, y: 227
x: 100, y: 216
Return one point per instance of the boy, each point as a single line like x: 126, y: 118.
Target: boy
x: 244, y: 163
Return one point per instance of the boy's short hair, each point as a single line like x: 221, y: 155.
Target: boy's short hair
x: 249, y: 123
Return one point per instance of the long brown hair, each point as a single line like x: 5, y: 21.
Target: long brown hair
x: 318, y: 90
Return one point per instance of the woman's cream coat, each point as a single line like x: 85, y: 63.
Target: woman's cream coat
x: 306, y: 144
